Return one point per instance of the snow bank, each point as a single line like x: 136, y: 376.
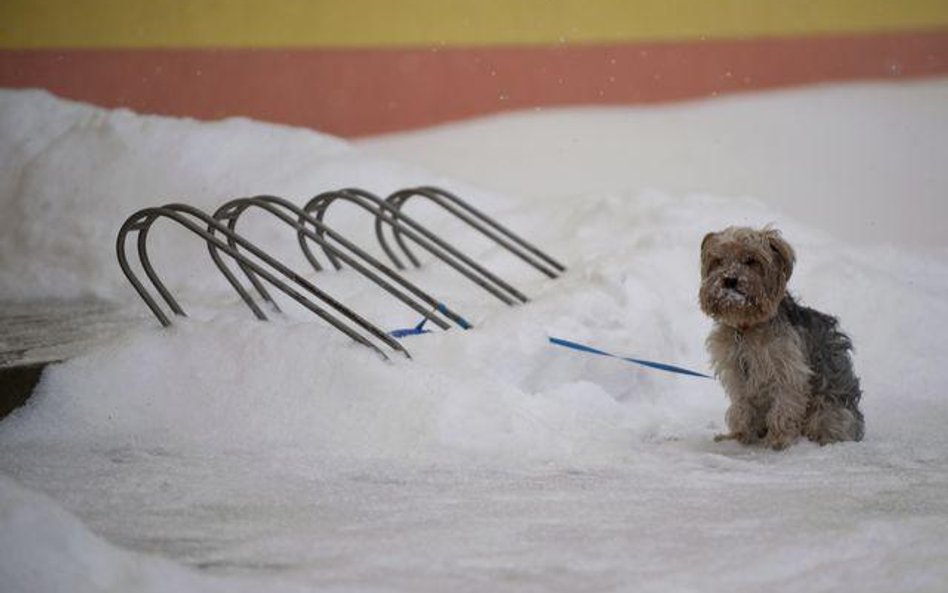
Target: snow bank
x: 70, y: 174
x: 490, y: 461
x: 47, y: 549
x: 863, y: 161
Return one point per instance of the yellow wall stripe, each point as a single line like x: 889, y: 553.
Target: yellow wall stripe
x: 404, y: 23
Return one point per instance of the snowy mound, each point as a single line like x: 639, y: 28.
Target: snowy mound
x: 865, y: 162
x: 70, y: 174
x: 491, y: 461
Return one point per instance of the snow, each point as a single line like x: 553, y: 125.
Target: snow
x: 230, y: 454
x: 864, y: 162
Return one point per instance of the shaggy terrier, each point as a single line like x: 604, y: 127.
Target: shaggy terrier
x: 785, y: 367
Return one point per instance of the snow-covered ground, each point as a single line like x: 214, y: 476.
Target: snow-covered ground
x: 227, y: 454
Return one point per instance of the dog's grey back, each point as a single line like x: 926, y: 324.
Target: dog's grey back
x: 827, y: 351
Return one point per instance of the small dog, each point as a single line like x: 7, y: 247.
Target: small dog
x: 786, y: 368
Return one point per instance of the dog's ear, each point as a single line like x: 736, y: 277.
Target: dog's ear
x: 705, y: 245
x: 785, y: 257
x: 707, y: 241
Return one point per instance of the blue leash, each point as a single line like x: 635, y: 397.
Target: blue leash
x: 661, y: 366
x: 411, y: 331
x: 420, y: 329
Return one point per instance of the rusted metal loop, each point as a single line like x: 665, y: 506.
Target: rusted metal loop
x: 480, y: 222
x: 276, y: 206
x: 141, y: 221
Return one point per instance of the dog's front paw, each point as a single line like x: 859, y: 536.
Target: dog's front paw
x: 740, y: 437
x: 778, y: 442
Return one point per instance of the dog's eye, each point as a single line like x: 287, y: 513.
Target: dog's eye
x: 751, y: 261
x: 714, y: 263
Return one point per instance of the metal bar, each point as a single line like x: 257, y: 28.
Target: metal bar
x: 423, y: 237
x: 396, y: 231
x: 310, y: 226
x: 286, y: 272
x: 397, y: 216
x: 270, y: 204
x: 143, y: 219
x: 322, y: 230
x: 135, y: 223
x: 476, y: 220
x: 230, y: 215
x: 407, y: 222
x: 150, y: 272
x: 495, y: 225
x: 244, y: 295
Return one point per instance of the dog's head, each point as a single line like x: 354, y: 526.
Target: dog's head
x: 744, y: 275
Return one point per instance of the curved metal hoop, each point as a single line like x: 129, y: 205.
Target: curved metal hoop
x: 477, y: 220
x: 282, y: 208
x: 182, y: 214
x: 385, y: 213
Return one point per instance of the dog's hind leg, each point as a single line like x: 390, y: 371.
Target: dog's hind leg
x: 830, y: 423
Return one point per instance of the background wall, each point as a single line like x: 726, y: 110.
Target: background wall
x: 357, y: 67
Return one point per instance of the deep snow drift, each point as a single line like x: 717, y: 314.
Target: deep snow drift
x: 229, y: 454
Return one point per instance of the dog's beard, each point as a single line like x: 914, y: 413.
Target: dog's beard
x: 732, y: 298
x: 736, y: 306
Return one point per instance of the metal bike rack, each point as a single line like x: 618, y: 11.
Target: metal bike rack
x: 183, y: 214
x: 219, y: 232
x: 402, y: 289
x: 386, y: 214
x: 474, y: 218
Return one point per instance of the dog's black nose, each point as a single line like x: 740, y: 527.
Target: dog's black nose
x: 730, y: 282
